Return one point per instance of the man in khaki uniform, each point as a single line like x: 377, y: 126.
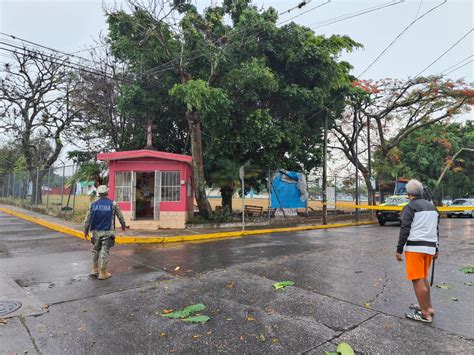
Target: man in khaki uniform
x: 100, y: 221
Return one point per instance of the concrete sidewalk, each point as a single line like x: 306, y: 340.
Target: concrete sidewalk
x: 172, y: 235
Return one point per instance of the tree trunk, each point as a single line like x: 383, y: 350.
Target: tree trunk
x: 36, y: 182
x: 227, y: 192
x: 194, y: 122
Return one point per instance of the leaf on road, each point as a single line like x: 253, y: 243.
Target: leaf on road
x: 176, y: 268
x: 184, y: 313
x: 167, y: 311
x: 282, y: 284
x: 467, y: 269
x: 197, y: 319
x: 443, y: 286
x: 345, y: 349
x: 454, y: 299
x: 367, y: 305
x: 251, y: 318
x: 469, y: 283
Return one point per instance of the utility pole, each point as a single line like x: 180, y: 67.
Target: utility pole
x: 325, y: 176
x: 369, y: 164
x: 356, y: 127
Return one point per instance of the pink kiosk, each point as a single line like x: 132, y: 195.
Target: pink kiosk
x: 153, y: 189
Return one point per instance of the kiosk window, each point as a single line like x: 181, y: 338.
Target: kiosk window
x: 170, y: 186
x: 123, y: 187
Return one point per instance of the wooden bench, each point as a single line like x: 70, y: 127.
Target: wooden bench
x: 251, y: 210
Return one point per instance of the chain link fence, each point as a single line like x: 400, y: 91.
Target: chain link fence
x: 57, y: 192
x: 53, y: 191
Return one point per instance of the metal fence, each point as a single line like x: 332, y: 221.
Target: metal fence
x: 54, y: 191
x: 51, y: 191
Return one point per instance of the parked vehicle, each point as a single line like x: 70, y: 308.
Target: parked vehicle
x: 462, y: 202
x: 392, y: 216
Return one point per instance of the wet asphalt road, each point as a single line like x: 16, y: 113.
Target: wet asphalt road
x: 348, y: 287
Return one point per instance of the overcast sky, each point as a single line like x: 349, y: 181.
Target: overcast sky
x: 73, y: 25
x: 70, y: 26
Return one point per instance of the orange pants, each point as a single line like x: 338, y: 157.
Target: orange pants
x: 418, y: 265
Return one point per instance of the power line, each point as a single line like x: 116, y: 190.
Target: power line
x: 304, y: 12
x: 444, y: 53
x: 353, y: 14
x: 299, y: 6
x: 418, y: 11
x: 455, y: 65
x: 456, y: 69
x: 47, y: 48
x: 399, y: 35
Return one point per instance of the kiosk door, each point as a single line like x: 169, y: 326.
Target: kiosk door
x: 157, y: 196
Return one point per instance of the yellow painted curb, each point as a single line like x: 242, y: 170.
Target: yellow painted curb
x: 180, y: 238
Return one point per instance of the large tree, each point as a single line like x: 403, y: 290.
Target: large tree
x: 429, y: 151
x: 393, y: 110
x: 34, y: 98
x: 253, y: 92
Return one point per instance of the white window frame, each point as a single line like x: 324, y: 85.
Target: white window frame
x: 170, y: 183
x: 124, y: 186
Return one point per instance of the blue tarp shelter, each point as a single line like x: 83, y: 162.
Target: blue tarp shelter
x: 289, y: 190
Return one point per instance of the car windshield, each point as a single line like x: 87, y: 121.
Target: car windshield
x: 461, y: 203
x: 396, y: 200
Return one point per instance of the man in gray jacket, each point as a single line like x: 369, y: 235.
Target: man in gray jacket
x: 419, y: 239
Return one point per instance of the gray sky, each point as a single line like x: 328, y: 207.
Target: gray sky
x: 73, y: 25
x: 70, y: 26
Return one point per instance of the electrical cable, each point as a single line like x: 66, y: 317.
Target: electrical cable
x: 304, y: 12
x: 444, y: 53
x: 451, y: 71
x: 299, y: 6
x: 399, y: 35
x: 354, y: 14
x: 455, y: 65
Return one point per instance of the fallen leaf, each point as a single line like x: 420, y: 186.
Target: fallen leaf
x: 209, y: 333
x: 469, y: 283
x: 345, y: 349
x: 467, y: 269
x: 261, y: 337
x: 443, y: 286
x: 184, y: 313
x: 241, y: 338
x: 282, y: 284
x: 275, y: 340
x: 3, y: 321
x: 167, y: 311
x: 163, y: 334
x: 454, y: 299
x: 229, y: 318
x: 367, y: 305
x: 269, y: 310
x: 250, y: 318
x: 46, y: 306
x: 176, y: 268
x: 84, y: 310
x: 230, y: 285
x: 196, y: 336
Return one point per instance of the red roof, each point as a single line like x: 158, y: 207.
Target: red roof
x: 144, y: 153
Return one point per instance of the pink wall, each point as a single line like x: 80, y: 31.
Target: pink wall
x: 150, y: 165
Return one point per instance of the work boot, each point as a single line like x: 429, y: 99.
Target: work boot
x: 104, y: 274
x: 95, y: 270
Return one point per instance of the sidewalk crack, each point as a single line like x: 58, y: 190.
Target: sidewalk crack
x: 22, y: 321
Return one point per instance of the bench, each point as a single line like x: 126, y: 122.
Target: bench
x: 251, y: 210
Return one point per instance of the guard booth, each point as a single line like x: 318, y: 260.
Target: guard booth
x: 153, y: 189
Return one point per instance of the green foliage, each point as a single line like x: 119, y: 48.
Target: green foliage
x: 261, y: 91
x: 282, y: 284
x: 426, y: 151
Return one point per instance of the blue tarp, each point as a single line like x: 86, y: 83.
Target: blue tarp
x: 289, y: 190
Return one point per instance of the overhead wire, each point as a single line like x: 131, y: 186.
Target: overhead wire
x: 397, y: 37
x: 304, y: 12
x: 445, y: 52
x: 353, y: 14
x: 299, y: 6
x: 455, y: 65
x: 459, y: 67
